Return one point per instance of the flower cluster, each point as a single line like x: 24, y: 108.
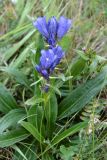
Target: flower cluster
x: 48, y: 61
x: 52, y: 31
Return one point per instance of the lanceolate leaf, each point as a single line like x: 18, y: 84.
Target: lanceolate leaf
x: 7, y: 102
x: 51, y: 109
x: 18, y: 75
x: 68, y: 132
x: 78, y: 98
x: 36, y: 117
x: 11, y: 119
x: 29, y: 127
x: 76, y: 67
x: 11, y: 137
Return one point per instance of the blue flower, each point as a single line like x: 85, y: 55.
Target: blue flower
x: 53, y: 30
x: 48, y: 61
x: 64, y: 25
x: 41, y: 25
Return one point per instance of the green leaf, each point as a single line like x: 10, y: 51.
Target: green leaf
x: 76, y: 67
x: 11, y: 137
x: 68, y: 132
x: 24, y: 152
x: 18, y: 75
x: 29, y: 127
x: 34, y: 100
x: 17, y: 149
x: 35, y: 117
x: 7, y: 102
x: 51, y: 109
x: 11, y: 119
x: 32, y: 115
x: 82, y: 95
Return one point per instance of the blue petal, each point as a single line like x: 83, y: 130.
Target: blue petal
x: 51, y: 54
x: 43, y: 53
x: 51, y: 41
x: 38, y: 68
x: 52, y: 26
x: 52, y: 29
x: 45, y: 74
x: 43, y: 58
x: 41, y: 25
x: 46, y: 59
x: 64, y: 25
x: 58, y: 55
x: 58, y: 52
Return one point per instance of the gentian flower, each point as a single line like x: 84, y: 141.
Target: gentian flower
x: 48, y: 61
x: 53, y: 30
